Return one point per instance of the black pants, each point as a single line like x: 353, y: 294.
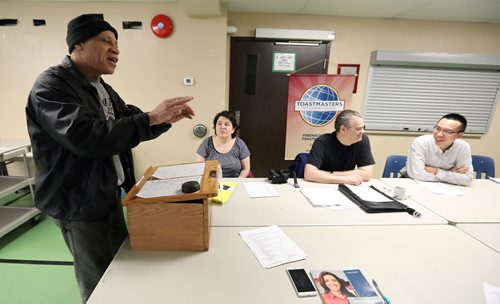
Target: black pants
x: 93, y: 246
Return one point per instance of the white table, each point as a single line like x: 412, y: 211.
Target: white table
x: 488, y: 234
x: 291, y: 208
x: 411, y: 263
x: 480, y: 202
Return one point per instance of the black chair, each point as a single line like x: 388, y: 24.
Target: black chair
x: 483, y: 164
x: 394, y: 164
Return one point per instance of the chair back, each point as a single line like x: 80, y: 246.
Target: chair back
x: 394, y: 164
x: 483, y: 164
x: 299, y: 164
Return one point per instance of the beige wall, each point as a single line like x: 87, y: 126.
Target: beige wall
x: 150, y: 69
x: 357, y: 37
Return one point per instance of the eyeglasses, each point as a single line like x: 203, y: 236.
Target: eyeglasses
x: 445, y: 131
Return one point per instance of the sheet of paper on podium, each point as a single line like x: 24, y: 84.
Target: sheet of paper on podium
x: 195, y: 169
x: 165, y: 187
x: 169, y: 180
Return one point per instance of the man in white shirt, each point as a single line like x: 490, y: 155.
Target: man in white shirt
x: 442, y: 156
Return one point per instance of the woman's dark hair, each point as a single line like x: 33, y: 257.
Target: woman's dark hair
x: 342, y: 283
x: 230, y: 117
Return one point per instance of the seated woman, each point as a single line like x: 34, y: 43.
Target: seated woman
x: 231, y: 152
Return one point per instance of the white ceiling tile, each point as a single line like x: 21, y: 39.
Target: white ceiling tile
x: 439, y: 10
x: 266, y: 6
x: 361, y: 8
x: 457, y: 10
x: 444, y: 10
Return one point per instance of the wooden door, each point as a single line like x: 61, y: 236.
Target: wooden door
x: 259, y: 96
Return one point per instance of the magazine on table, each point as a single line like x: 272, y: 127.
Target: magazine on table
x: 345, y: 286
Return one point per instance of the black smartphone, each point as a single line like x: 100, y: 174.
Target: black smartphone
x: 303, y: 285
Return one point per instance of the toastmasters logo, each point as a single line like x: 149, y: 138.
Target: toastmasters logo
x: 319, y: 105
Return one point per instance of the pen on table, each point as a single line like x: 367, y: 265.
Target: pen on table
x: 386, y: 300
x: 413, y: 212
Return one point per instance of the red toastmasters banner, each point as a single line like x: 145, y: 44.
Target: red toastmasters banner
x: 314, y: 102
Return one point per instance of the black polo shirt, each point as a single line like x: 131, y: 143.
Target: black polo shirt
x: 328, y: 154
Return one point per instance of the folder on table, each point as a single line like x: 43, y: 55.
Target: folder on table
x: 386, y: 204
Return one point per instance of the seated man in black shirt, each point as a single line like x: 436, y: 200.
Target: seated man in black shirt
x: 344, y: 156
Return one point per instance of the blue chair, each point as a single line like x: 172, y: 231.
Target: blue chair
x: 299, y: 164
x: 483, y: 164
x: 394, y: 164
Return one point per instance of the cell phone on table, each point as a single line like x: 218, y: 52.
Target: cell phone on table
x: 303, y: 285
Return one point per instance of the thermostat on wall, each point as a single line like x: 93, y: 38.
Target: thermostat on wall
x: 200, y: 130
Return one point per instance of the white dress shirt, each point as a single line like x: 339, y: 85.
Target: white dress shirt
x: 425, y: 152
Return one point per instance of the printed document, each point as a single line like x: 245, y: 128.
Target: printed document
x: 260, y: 189
x: 368, y: 194
x: 492, y: 293
x: 327, y: 197
x: 440, y: 188
x: 165, y: 187
x: 271, y: 246
x: 194, y: 169
x: 495, y: 179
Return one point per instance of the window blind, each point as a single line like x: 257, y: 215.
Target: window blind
x: 413, y: 98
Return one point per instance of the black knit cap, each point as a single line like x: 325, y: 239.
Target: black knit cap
x: 84, y: 27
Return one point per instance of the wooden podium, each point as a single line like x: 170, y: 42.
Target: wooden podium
x: 176, y: 221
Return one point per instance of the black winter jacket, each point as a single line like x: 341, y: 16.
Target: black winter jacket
x: 73, y: 144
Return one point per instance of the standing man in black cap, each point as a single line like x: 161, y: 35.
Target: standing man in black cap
x: 82, y: 134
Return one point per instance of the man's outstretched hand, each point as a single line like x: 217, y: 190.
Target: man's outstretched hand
x: 171, y: 111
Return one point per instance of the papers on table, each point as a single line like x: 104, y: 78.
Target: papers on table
x: 327, y: 197
x: 260, y: 189
x: 492, y: 294
x: 440, y: 188
x: 368, y: 194
x: 495, y: 179
x: 271, y: 246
